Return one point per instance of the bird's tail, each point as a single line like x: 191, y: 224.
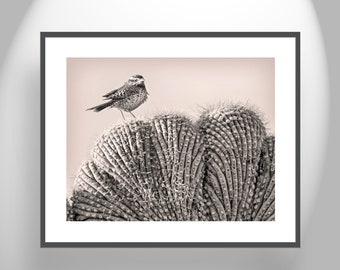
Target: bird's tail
x: 100, y: 107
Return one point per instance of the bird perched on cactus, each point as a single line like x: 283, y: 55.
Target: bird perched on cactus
x: 126, y: 98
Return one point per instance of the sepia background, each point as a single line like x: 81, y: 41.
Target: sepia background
x: 180, y: 85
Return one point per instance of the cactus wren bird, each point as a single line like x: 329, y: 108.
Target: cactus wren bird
x: 127, y: 98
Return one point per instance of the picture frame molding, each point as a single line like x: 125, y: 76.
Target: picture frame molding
x: 45, y: 35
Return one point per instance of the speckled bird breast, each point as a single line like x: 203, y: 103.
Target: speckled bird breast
x: 132, y: 102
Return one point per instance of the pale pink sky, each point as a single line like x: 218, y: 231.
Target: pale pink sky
x: 175, y: 84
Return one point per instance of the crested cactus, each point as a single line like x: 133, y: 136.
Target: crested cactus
x: 234, y: 138
x: 170, y: 169
x: 143, y: 170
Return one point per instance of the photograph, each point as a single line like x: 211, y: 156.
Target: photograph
x: 191, y: 139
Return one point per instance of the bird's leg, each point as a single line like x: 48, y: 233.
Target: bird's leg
x: 122, y: 114
x: 132, y: 114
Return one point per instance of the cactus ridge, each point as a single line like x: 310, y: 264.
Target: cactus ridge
x: 221, y: 168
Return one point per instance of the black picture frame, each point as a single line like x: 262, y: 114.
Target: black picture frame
x: 294, y: 35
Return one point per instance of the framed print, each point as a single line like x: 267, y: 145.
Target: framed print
x: 172, y: 139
